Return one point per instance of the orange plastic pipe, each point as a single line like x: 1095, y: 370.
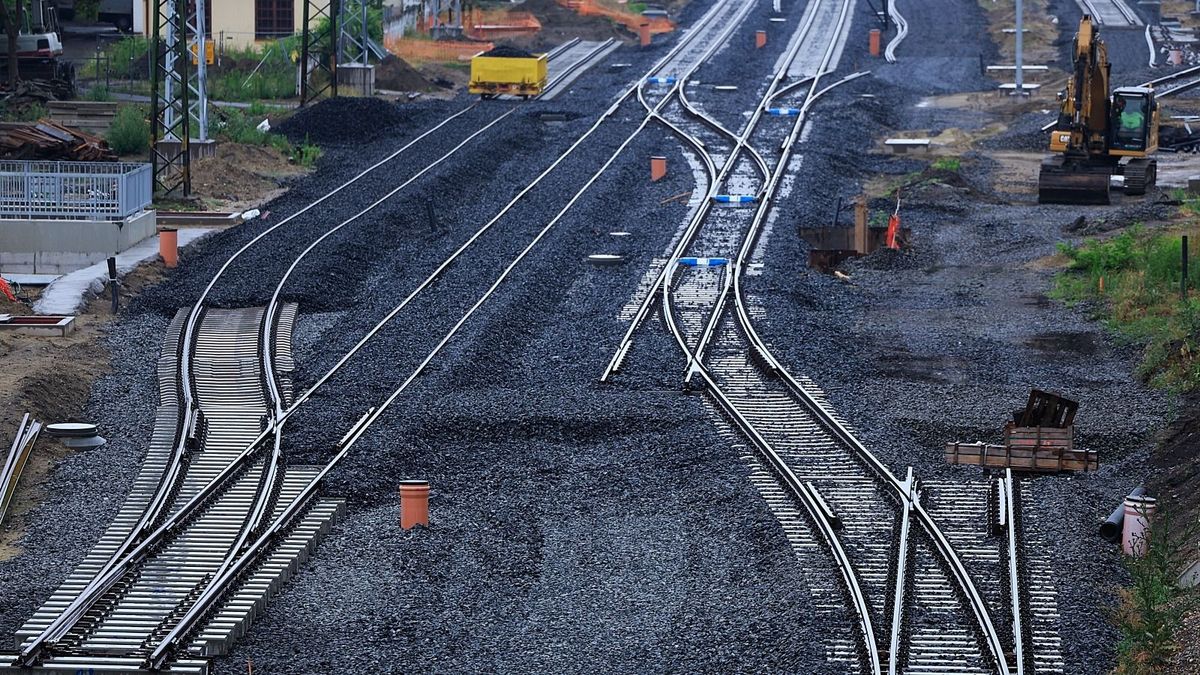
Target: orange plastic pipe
x: 760, y: 39
x: 658, y: 168
x: 644, y: 34
x: 414, y: 503
x: 875, y: 39
x: 168, y: 246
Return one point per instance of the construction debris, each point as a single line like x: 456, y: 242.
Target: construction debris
x: 1040, y: 437
x: 15, y: 461
x: 48, y: 140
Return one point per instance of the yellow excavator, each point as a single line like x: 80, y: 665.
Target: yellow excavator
x: 1099, y: 135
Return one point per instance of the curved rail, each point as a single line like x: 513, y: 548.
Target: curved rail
x: 941, y: 542
x: 801, y: 491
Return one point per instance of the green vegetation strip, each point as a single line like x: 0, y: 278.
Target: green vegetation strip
x: 1132, y: 282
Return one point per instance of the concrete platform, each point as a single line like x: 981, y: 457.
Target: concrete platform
x: 60, y: 246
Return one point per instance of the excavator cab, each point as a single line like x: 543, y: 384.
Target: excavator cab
x: 1133, y: 110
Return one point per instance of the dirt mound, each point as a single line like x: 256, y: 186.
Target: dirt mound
x: 560, y: 24
x: 242, y: 175
x: 395, y: 74
x: 342, y: 120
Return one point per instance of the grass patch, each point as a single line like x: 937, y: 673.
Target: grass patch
x: 130, y: 131
x: 1152, y: 607
x: 1133, y: 281
x: 947, y: 164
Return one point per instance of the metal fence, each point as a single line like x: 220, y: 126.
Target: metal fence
x: 73, y: 190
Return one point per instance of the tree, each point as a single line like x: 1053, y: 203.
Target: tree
x: 12, y: 14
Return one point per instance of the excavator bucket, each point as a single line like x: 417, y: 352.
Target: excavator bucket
x: 1061, y: 182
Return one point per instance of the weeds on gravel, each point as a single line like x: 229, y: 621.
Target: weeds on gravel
x: 947, y: 164
x: 308, y: 154
x: 1133, y: 281
x: 241, y: 126
x: 1152, y: 607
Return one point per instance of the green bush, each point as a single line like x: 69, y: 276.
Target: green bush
x: 308, y: 154
x: 97, y: 93
x: 87, y: 11
x: 130, y: 131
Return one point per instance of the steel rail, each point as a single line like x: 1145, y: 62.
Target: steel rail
x: 1014, y: 579
x: 801, y: 491
x: 766, y: 195
x: 945, y: 549
x: 169, y: 644
x: 33, y: 649
x: 186, y: 425
x: 14, y: 463
x: 572, y: 68
x: 662, y: 279
x: 910, y: 496
x: 811, y: 502
x: 943, y: 545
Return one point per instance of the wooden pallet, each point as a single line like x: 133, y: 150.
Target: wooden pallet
x: 1046, y: 449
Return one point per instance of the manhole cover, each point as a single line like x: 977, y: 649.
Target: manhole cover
x: 71, y: 429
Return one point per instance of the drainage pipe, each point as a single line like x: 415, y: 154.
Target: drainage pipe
x: 1111, y: 529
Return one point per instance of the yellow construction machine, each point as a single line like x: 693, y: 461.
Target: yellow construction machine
x: 1099, y: 135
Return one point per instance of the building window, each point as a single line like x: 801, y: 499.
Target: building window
x: 274, y: 19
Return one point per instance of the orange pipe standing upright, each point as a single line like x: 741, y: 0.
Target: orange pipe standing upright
x: 414, y: 503
x: 876, y: 36
x: 760, y: 39
x: 168, y: 246
x: 644, y: 34
x: 658, y: 168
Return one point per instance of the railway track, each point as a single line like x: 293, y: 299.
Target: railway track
x: 215, y: 520
x: 914, y: 601
x: 1111, y: 13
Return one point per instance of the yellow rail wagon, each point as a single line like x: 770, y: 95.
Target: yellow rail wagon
x: 507, y: 71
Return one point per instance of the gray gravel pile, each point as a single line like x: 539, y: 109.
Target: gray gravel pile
x: 352, y: 120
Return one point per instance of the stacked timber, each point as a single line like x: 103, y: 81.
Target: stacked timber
x: 94, y: 117
x: 48, y: 140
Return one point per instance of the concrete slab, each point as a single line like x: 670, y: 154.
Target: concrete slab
x: 68, y: 293
x: 37, y: 246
